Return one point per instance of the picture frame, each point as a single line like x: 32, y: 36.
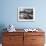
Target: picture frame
x: 26, y: 14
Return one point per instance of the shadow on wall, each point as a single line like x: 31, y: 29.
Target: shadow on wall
x: 2, y: 26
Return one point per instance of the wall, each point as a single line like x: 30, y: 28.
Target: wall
x: 9, y: 12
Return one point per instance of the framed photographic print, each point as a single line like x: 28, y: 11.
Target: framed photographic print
x: 26, y: 14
